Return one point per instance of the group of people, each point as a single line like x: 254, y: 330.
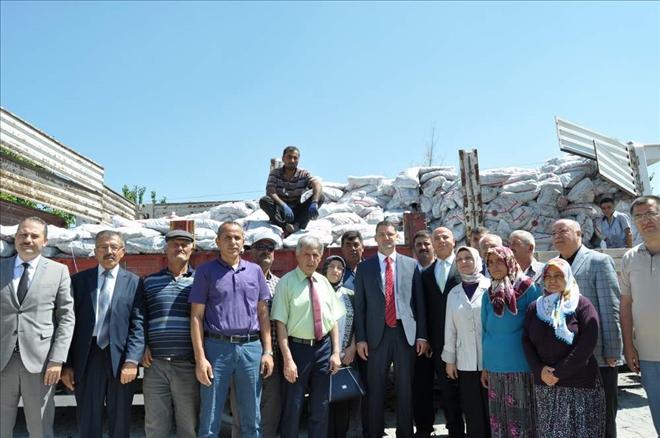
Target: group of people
x: 517, y: 348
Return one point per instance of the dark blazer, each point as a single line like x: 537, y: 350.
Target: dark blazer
x: 126, y: 320
x: 370, y: 301
x: 436, y: 304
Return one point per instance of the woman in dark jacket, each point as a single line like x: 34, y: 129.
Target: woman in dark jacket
x: 559, y: 337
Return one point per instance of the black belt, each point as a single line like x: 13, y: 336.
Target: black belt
x: 310, y: 342
x: 234, y: 339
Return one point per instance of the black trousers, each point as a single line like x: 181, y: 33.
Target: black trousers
x: 300, y: 211
x: 610, y: 378
x: 423, y: 409
x: 393, y: 348
x: 99, y: 385
x: 313, y: 374
x: 338, y: 419
x: 451, y: 401
x: 475, y: 404
x: 364, y: 405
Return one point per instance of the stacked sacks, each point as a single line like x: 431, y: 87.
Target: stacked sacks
x: 513, y: 198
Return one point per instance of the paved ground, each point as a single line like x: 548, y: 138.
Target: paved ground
x: 633, y: 420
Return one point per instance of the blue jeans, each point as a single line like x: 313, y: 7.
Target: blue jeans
x: 651, y: 382
x: 242, y: 363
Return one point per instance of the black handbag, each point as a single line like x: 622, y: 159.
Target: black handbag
x: 345, y: 385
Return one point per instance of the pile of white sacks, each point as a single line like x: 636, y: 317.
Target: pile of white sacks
x: 513, y: 198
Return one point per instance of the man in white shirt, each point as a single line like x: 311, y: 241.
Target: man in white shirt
x: 522, y: 244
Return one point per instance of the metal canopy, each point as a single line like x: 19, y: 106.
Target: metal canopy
x: 578, y: 140
x: 614, y: 165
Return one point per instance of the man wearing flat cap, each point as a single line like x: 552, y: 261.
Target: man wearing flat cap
x: 170, y: 388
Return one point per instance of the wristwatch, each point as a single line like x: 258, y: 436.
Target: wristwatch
x: 270, y: 353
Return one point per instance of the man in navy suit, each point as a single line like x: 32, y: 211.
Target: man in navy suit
x: 390, y: 326
x: 108, y: 340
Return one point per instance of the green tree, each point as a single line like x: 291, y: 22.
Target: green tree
x: 135, y: 194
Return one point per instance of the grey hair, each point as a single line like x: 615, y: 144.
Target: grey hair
x: 495, y: 237
x: 525, y: 236
x: 575, y: 225
x: 309, y: 242
x: 108, y: 234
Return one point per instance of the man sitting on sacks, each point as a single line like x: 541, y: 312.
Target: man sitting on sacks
x: 284, y: 188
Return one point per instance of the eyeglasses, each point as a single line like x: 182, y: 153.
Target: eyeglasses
x: 649, y: 215
x: 112, y: 248
x: 264, y: 247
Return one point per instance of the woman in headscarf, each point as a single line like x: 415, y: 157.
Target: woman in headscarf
x: 462, y: 349
x: 506, y: 373
x: 333, y: 269
x: 559, y: 337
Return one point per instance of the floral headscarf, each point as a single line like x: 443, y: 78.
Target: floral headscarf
x: 326, y: 265
x: 504, y: 293
x: 476, y: 276
x: 553, y: 308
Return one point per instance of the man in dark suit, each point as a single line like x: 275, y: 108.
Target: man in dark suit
x: 423, y: 409
x: 108, y: 340
x: 437, y: 280
x: 390, y: 326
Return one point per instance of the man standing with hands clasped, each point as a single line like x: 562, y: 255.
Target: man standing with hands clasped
x: 390, y: 327
x: 306, y: 309
x: 36, y: 323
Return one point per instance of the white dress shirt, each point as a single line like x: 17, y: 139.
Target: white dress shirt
x: 18, y: 270
x: 446, y: 263
x: 383, y: 266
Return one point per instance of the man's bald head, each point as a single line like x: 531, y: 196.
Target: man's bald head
x: 443, y: 242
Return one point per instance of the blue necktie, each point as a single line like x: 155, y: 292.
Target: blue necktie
x: 103, y: 306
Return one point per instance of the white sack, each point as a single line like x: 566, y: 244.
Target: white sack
x: 582, y: 192
x: 161, y: 225
x: 292, y: 240
x: 129, y: 233
x: 407, y: 179
x: 7, y: 232
x: 146, y: 245
x: 522, y: 197
x: 206, y: 245
x: 344, y: 218
x: 488, y: 194
x: 78, y: 248
x: 525, y: 185
x: 361, y: 181
x: 6, y: 248
x: 205, y: 233
x: 332, y: 208
x: 231, y: 209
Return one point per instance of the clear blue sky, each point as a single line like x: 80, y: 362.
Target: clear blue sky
x: 192, y: 99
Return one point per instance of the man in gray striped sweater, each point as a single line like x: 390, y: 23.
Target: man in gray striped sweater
x: 170, y: 387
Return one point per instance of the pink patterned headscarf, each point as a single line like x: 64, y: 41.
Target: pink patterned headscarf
x: 504, y: 293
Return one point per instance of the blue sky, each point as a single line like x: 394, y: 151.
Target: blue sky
x: 192, y: 99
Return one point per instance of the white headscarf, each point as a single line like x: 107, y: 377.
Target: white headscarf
x: 553, y: 308
x: 476, y: 276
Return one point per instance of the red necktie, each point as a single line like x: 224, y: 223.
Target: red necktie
x: 390, y: 305
x: 316, y: 309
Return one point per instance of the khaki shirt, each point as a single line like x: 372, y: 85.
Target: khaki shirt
x: 640, y: 278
